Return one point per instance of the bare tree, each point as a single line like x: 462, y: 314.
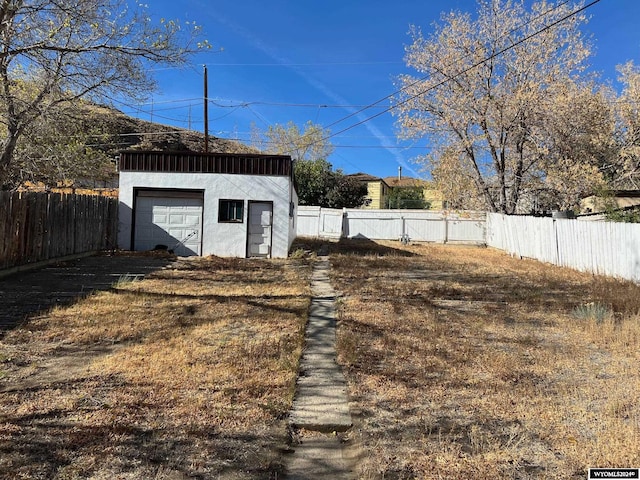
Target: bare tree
x: 455, y: 180
x: 627, y: 169
x: 317, y: 183
x: 576, y: 143
x: 309, y: 144
x: 53, y: 52
x: 63, y: 150
x: 487, y: 87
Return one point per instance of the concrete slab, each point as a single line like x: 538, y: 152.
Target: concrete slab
x: 320, y: 457
x: 29, y: 292
x: 321, y: 401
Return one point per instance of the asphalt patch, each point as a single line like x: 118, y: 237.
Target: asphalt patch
x: 25, y: 294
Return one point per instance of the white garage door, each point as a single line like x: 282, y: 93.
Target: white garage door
x: 169, y: 220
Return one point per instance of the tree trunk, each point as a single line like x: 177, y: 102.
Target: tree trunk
x: 7, y: 149
x: 481, y: 185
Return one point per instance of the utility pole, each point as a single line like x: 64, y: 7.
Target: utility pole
x: 206, y: 111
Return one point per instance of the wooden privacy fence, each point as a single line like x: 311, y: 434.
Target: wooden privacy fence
x: 35, y: 227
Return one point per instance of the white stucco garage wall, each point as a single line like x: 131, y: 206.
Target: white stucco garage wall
x: 221, y: 239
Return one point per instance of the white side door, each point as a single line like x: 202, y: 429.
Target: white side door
x: 260, y: 229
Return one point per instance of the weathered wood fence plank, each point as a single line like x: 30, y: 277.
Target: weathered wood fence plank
x: 35, y: 227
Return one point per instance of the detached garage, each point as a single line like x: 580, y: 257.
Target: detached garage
x: 229, y: 205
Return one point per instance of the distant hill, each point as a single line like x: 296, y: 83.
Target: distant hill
x: 121, y: 132
x: 82, y: 142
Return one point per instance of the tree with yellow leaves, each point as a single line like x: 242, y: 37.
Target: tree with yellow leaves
x: 627, y: 169
x: 494, y: 97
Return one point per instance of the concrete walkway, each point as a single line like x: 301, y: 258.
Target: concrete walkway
x: 320, y: 408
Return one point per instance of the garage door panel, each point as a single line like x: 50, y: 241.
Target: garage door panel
x: 175, y: 222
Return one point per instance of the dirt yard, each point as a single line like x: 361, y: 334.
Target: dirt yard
x: 462, y: 363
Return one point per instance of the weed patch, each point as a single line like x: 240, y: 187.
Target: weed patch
x: 593, y: 311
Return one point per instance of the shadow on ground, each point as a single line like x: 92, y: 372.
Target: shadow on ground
x: 28, y: 293
x: 64, y: 442
x: 360, y: 246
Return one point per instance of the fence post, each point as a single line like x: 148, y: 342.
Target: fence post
x: 446, y: 228
x: 555, y: 235
x: 345, y: 223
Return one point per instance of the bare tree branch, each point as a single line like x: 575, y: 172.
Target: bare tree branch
x: 58, y: 51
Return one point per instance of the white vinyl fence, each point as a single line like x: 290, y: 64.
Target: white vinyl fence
x: 317, y: 222
x: 605, y: 248
x: 415, y: 225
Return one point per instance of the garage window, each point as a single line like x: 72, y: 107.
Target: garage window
x: 231, y: 211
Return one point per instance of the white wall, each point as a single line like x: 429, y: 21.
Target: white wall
x: 605, y: 248
x: 308, y: 221
x: 531, y: 237
x: 293, y: 220
x: 317, y: 222
x: 420, y: 226
x: 221, y: 239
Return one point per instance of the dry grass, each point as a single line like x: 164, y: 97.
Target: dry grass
x: 186, y: 374
x: 466, y: 363
x: 462, y: 363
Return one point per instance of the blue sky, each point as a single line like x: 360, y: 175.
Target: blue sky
x: 286, y: 60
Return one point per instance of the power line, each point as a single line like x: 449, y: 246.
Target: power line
x: 277, y: 64
x: 248, y: 104
x: 245, y: 103
x: 244, y: 140
x: 389, y: 108
x: 315, y: 64
x: 475, y: 65
x: 388, y: 97
x: 303, y: 105
x: 285, y: 104
x: 180, y: 100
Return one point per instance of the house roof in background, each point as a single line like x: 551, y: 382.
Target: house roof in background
x: 393, y: 181
x: 406, y: 182
x: 617, y: 199
x: 626, y: 193
x: 365, y: 177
